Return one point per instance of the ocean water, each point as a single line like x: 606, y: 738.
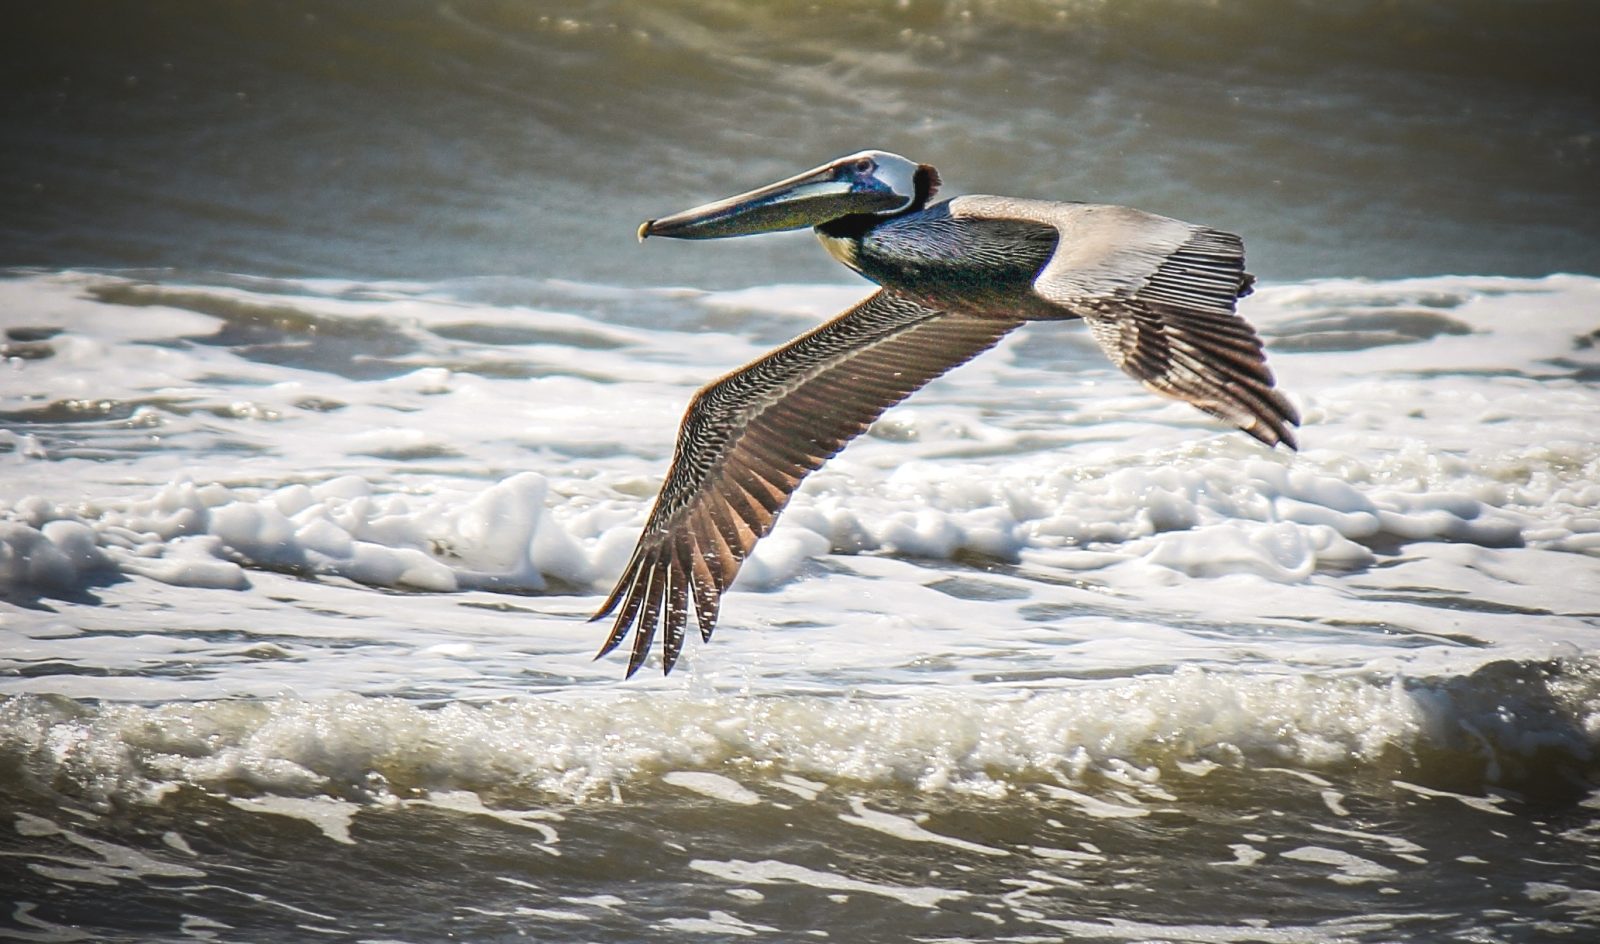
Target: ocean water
x: 336, y: 390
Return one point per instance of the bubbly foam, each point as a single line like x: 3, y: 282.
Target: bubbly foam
x: 1458, y: 467
x: 1503, y: 725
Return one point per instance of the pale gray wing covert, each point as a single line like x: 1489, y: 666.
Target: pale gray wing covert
x: 1179, y: 334
x: 749, y: 438
x: 1159, y: 296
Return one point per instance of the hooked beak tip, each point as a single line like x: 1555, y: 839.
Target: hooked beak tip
x: 644, y: 229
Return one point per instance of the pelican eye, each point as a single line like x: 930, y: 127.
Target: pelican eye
x: 865, y: 166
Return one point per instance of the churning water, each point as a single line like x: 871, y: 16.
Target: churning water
x: 337, y: 390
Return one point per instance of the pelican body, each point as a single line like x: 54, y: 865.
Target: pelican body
x: 955, y: 277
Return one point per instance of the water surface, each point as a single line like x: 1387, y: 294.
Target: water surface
x: 336, y: 391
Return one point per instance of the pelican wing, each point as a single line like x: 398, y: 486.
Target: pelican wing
x: 749, y: 438
x: 1159, y: 297
x: 1178, y: 332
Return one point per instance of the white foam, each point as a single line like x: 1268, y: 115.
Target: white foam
x: 1488, y: 804
x: 1094, y: 807
x: 41, y: 930
x: 771, y: 871
x: 1072, y: 857
x: 1200, y: 509
x: 465, y: 801
x: 966, y: 740
x: 800, y: 786
x: 1350, y: 869
x: 712, y: 785
x: 331, y: 817
x: 502, y: 537
x: 1244, y: 855
x: 1393, y: 844
x: 1123, y: 929
x: 908, y: 830
x: 111, y: 863
x: 1581, y: 903
x: 719, y: 922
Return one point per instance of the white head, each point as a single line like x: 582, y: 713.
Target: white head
x: 882, y: 172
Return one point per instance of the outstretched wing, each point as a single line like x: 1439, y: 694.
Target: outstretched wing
x: 1159, y: 297
x: 1180, y: 335
x: 749, y: 438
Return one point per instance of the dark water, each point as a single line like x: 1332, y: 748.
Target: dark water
x: 619, y: 875
x: 1241, y: 851
x: 427, y: 140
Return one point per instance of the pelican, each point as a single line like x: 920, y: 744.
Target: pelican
x: 954, y: 277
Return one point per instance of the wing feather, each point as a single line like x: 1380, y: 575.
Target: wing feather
x: 1180, y: 335
x: 655, y: 582
x: 1159, y: 296
x: 750, y: 438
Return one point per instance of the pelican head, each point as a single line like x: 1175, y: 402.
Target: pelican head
x: 868, y: 183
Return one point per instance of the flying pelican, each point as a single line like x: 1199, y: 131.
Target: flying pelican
x: 954, y: 277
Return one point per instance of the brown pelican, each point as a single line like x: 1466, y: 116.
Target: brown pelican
x: 954, y: 277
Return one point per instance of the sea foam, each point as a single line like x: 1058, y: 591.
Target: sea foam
x: 1195, y: 513
x: 1506, y: 724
